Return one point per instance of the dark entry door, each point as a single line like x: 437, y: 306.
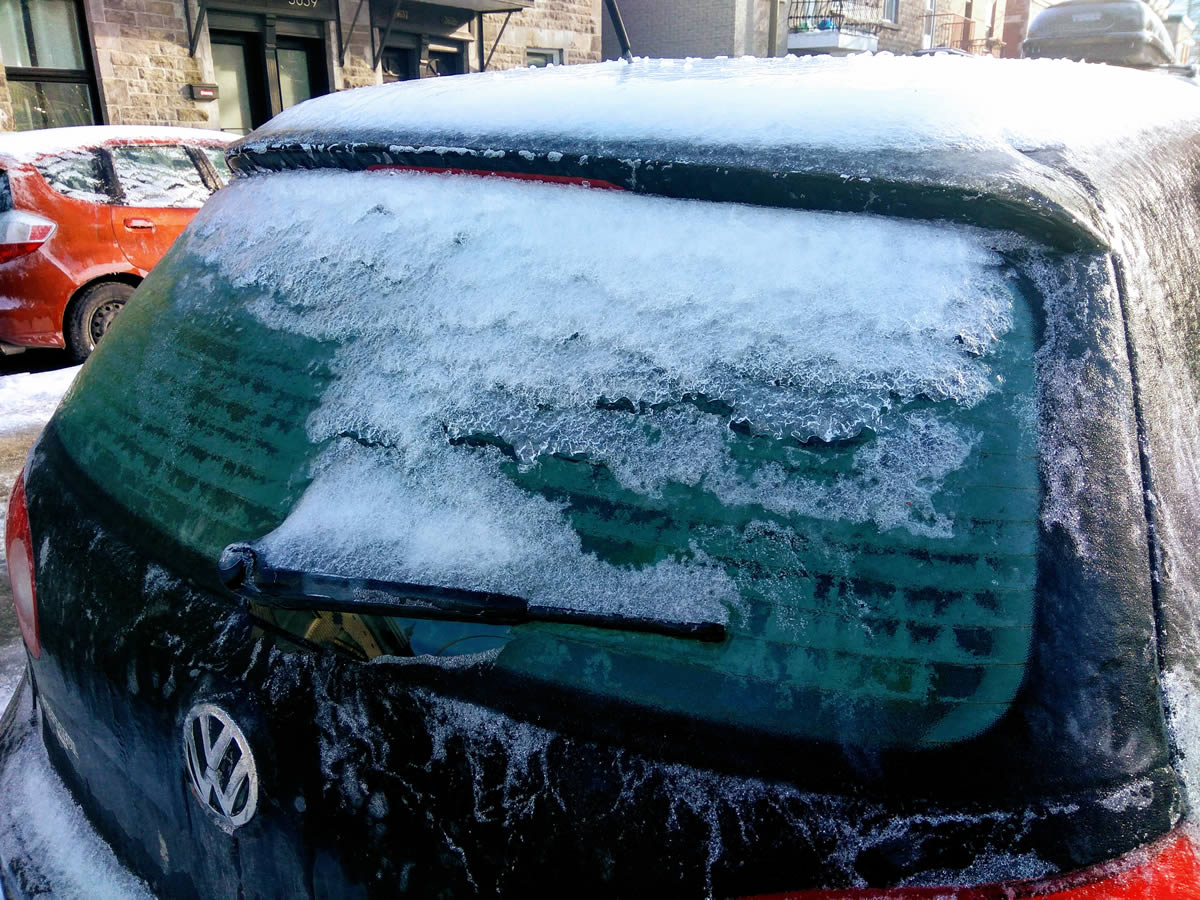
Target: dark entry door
x: 300, y: 64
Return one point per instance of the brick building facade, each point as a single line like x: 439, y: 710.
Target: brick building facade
x: 232, y: 64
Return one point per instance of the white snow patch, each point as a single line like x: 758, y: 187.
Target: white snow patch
x: 858, y: 102
x: 29, y: 399
x: 40, y: 822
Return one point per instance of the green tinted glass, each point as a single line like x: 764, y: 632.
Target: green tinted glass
x: 195, y: 424
x: 659, y: 420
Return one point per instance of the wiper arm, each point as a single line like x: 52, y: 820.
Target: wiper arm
x: 242, y: 572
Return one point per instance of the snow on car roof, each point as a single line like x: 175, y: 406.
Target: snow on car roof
x: 853, y: 103
x: 26, y: 146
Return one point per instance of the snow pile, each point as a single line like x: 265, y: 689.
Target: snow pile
x: 853, y: 103
x: 647, y: 348
x: 28, y: 400
x: 43, y: 827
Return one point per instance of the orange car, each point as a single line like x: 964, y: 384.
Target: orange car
x: 85, y: 213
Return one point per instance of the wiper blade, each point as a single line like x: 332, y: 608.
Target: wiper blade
x: 243, y: 573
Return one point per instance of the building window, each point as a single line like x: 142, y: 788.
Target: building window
x: 891, y: 10
x: 540, y: 58
x: 47, y: 63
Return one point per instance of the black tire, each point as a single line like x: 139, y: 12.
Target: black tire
x: 92, y: 314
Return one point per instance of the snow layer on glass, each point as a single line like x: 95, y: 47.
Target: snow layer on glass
x: 793, y: 325
x: 158, y: 177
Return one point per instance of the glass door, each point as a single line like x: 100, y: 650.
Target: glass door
x: 237, y: 61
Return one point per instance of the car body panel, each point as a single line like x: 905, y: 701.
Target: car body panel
x: 145, y: 234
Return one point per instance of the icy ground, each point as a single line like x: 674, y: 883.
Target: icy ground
x: 39, y: 822
x: 38, y: 818
x: 26, y: 403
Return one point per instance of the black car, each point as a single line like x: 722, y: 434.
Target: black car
x: 678, y: 477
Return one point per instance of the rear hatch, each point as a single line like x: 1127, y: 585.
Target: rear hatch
x: 856, y: 443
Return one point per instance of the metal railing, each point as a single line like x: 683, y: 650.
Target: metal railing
x: 960, y: 33
x: 851, y: 16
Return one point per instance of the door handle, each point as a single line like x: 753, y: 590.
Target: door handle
x: 139, y: 223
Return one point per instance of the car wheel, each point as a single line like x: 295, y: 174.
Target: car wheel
x: 92, y: 315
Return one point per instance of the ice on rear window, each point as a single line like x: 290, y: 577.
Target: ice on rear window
x: 818, y: 429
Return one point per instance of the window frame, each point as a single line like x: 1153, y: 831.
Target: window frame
x: 892, y: 6
x: 555, y: 56
x: 35, y: 74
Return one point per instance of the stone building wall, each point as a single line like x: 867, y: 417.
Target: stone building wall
x: 904, y: 36
x: 356, y: 69
x: 139, y: 51
x: 6, y: 110
x: 142, y: 63
x: 677, y: 28
x: 572, y: 26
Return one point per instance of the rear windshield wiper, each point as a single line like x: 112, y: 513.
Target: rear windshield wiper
x: 243, y: 573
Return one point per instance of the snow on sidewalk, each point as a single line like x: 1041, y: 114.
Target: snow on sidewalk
x: 28, y: 400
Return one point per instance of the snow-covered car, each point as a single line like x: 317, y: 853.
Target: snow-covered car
x: 85, y: 213
x: 668, y: 478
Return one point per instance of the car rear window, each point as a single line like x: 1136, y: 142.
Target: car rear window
x: 817, y: 429
x: 156, y: 176
x: 77, y: 174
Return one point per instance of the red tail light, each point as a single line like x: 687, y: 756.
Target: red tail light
x: 1166, y: 870
x: 18, y: 549
x: 22, y: 233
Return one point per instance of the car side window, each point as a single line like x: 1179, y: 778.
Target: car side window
x: 78, y: 174
x: 157, y: 176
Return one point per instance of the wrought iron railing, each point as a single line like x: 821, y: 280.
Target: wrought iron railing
x: 960, y: 33
x: 851, y: 16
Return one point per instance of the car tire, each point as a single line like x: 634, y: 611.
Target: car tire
x: 92, y: 314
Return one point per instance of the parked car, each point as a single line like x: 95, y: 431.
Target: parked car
x: 674, y: 478
x: 1120, y: 32
x: 85, y: 213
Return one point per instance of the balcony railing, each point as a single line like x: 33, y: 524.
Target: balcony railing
x: 960, y: 33
x: 849, y: 16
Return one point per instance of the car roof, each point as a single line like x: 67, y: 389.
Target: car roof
x: 28, y: 146
x: 975, y: 126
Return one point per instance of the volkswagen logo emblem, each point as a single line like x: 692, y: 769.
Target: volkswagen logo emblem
x: 220, y: 765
